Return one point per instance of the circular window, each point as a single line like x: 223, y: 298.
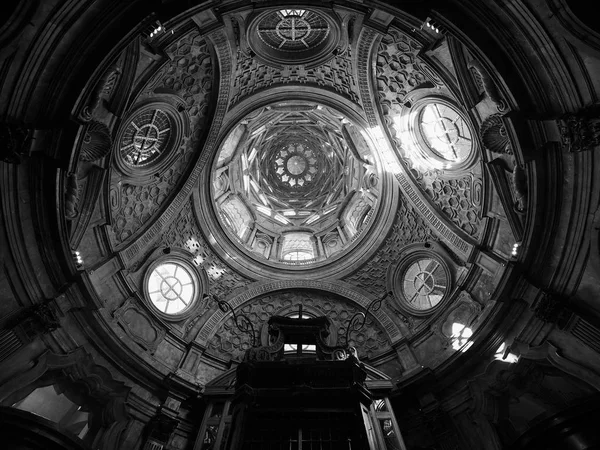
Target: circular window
x: 293, y: 30
x: 442, y: 135
x: 172, y: 287
x: 445, y: 131
x: 421, y: 281
x: 424, y: 284
x: 145, y: 138
x: 294, y: 36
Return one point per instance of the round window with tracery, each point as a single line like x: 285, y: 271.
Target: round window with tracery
x: 172, y: 287
x: 424, y: 283
x: 445, y: 132
x: 145, y: 138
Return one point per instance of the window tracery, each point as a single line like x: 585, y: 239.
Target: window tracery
x: 145, y: 138
x: 445, y: 132
x: 421, y: 281
x: 173, y: 286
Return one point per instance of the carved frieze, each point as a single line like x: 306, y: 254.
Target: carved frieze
x: 96, y: 143
x: 101, y: 92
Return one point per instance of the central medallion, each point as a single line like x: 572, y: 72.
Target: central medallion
x: 296, y: 165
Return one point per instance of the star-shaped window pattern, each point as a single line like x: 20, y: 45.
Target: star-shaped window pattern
x: 296, y: 165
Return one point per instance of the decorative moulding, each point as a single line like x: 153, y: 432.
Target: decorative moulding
x: 138, y: 326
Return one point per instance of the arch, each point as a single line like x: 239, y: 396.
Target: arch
x: 216, y: 320
x: 79, y: 369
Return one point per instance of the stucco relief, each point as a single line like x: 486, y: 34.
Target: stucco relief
x: 459, y: 198
x: 409, y: 227
x: 399, y: 71
x: 229, y: 342
x: 251, y: 75
x: 188, y: 77
x: 185, y: 233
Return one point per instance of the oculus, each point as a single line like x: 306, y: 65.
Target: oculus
x: 147, y: 139
x: 293, y: 30
x: 294, y: 36
x: 445, y: 132
x: 424, y: 284
x: 435, y: 133
x: 421, y: 281
x: 172, y: 286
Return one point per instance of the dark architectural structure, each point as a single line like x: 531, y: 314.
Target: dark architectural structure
x: 325, y: 224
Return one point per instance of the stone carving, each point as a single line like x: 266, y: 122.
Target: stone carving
x: 519, y: 187
x: 96, y: 143
x: 71, y: 196
x: 409, y: 227
x: 134, y: 205
x: 399, y: 71
x: 251, y: 75
x: 581, y: 131
x: 483, y: 79
x: 222, y: 49
x: 102, y: 91
x: 14, y: 143
x: 185, y: 233
x: 460, y: 200
x: 139, y: 326
x: 229, y: 342
x: 188, y: 74
x: 494, y: 135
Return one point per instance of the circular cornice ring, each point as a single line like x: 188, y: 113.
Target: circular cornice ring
x: 236, y: 301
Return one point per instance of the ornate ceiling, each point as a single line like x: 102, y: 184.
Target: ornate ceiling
x: 353, y: 170
x: 296, y: 183
x: 323, y: 155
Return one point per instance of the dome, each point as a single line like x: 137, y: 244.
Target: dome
x: 420, y: 178
x: 296, y: 184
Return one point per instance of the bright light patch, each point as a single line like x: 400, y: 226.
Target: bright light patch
x: 263, y: 209
x: 503, y: 354
x: 460, y: 337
